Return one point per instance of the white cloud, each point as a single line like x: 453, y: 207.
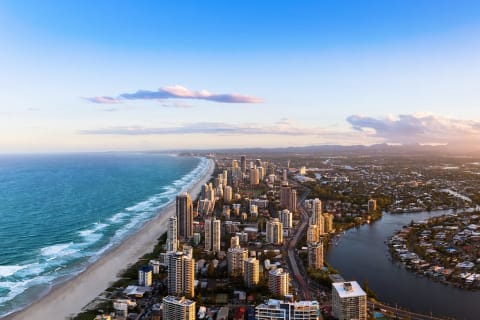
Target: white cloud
x: 176, y: 92
x: 418, y: 128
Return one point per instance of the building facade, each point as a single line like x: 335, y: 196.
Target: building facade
x: 315, y: 255
x: 181, y: 274
x: 349, y: 301
x: 279, y: 310
x: 274, y: 231
x: 278, y: 282
x: 286, y: 218
x: 184, y: 210
x: 251, y: 270
x: 235, y: 257
x: 178, y: 308
x: 172, y: 234
x: 145, y: 274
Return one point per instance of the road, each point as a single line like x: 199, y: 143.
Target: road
x: 397, y: 313
x: 292, y: 258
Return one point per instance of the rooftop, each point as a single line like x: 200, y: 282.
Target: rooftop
x: 178, y: 300
x: 348, y: 289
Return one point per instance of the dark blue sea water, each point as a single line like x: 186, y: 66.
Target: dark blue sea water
x: 59, y: 213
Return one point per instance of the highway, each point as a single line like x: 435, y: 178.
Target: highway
x: 292, y: 258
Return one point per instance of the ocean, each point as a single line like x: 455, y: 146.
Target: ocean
x: 60, y: 213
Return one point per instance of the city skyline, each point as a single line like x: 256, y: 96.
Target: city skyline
x: 91, y: 76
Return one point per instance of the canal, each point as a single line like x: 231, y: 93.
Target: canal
x: 362, y: 255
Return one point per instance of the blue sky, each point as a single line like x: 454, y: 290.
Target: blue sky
x: 136, y: 75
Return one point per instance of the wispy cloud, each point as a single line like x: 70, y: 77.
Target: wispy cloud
x: 176, y: 104
x: 176, y: 92
x: 418, y: 128
x: 282, y: 127
x: 403, y: 129
x: 103, y: 99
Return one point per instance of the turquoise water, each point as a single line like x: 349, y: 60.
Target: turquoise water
x: 59, y: 213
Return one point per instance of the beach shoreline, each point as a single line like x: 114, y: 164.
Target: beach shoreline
x: 68, y: 298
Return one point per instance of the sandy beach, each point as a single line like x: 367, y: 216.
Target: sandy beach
x: 70, y: 297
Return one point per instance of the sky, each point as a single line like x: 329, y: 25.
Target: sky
x: 160, y: 75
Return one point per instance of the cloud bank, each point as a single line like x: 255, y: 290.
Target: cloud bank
x: 282, y: 127
x: 404, y: 129
x: 418, y: 129
x: 176, y: 92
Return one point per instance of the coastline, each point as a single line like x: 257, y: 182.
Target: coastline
x: 68, y: 298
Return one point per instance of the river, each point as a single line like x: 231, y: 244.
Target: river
x: 362, y: 255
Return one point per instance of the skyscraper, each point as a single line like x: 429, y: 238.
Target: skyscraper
x: 274, y: 231
x: 184, y: 209
x: 317, y: 216
x: 235, y: 257
x: 243, y: 164
x: 251, y: 272
x: 254, y: 177
x: 178, y: 308
x: 292, y: 201
x: 315, y: 255
x: 227, y: 194
x: 286, y: 218
x: 181, y: 274
x: 328, y: 222
x: 288, y: 197
x: 208, y: 234
x: 216, y: 235
x: 284, y: 195
x: 278, y: 280
x: 349, y: 301
x: 212, y: 234
x: 312, y: 233
x: 172, y: 233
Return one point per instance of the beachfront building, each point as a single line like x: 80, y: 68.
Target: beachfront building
x: 145, y: 275
x: 172, y: 234
x: 274, y: 231
x: 279, y: 310
x: 349, y: 301
x: 184, y: 210
x: 251, y: 269
x: 235, y: 257
x: 315, y: 255
x: 178, y: 308
x: 181, y: 274
x: 278, y: 282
